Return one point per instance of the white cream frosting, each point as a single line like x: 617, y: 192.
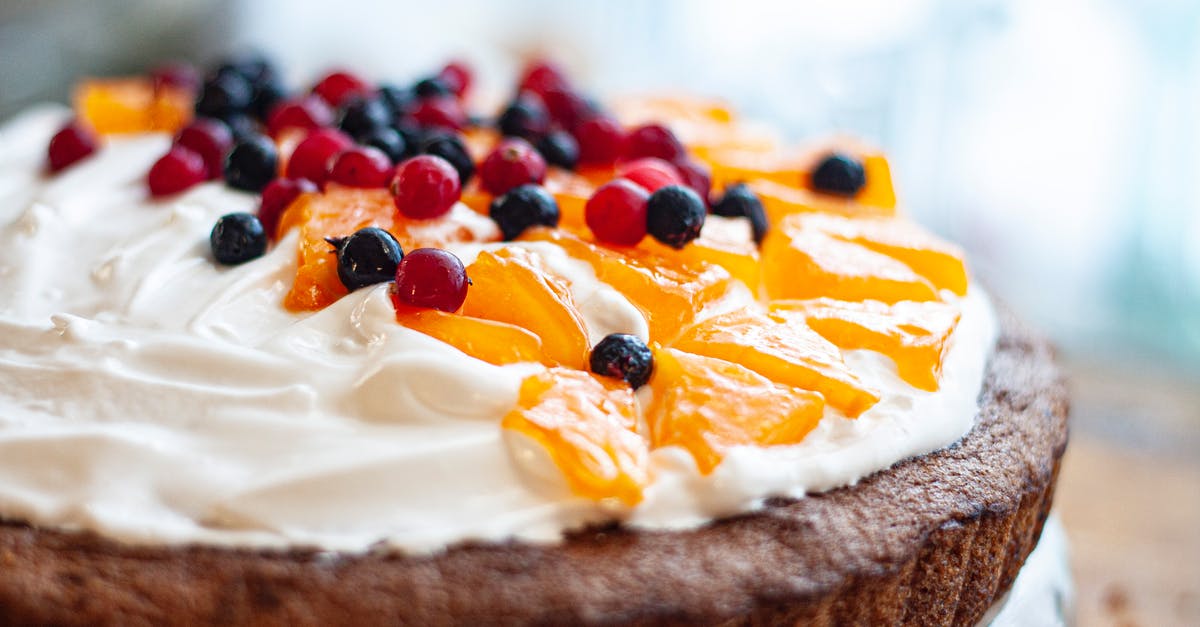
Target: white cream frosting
x: 152, y: 396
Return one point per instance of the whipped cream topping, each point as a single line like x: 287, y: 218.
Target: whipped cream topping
x: 150, y: 395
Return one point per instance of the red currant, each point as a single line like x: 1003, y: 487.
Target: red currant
x: 209, y: 138
x: 652, y: 174
x: 360, y: 166
x: 276, y: 197
x: 306, y: 113
x: 337, y: 87
x: 600, y: 141
x: 431, y: 278
x: 176, y: 171
x: 175, y: 74
x: 696, y: 176
x: 566, y: 107
x: 457, y: 77
x: 440, y: 111
x: 311, y: 158
x: 72, y: 143
x: 616, y: 213
x: 514, y: 162
x: 542, y: 76
x: 653, y: 140
x: 425, y: 187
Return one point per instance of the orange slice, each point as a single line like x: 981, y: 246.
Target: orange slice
x: 738, y: 256
x: 132, y: 105
x: 495, y: 342
x: 588, y: 425
x: 801, y: 262
x: 780, y: 200
x: 914, y: 335
x: 510, y: 285
x: 789, y: 354
x: 708, y: 406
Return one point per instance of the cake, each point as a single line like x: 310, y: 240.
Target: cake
x: 355, y: 356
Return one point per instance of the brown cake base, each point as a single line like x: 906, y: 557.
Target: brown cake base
x: 932, y: 541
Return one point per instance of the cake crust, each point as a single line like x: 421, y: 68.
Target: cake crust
x: 934, y: 540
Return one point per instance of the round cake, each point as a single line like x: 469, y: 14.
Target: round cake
x: 354, y: 356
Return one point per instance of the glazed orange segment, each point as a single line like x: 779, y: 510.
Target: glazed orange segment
x: 587, y: 424
x: 801, y: 263
x: 938, y: 261
x: 495, y: 342
x: 669, y: 293
x: 786, y: 353
x: 707, y: 406
x: 780, y: 200
x: 739, y: 257
x: 132, y: 105
x: 510, y: 285
x: 914, y: 335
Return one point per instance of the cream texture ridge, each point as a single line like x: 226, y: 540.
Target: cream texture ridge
x: 152, y: 396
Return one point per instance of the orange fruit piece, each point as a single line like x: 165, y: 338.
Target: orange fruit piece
x: 588, y: 425
x: 132, y: 105
x: 802, y: 262
x: 789, y: 354
x: 338, y: 212
x: 570, y: 190
x: 937, y: 260
x: 780, y: 200
x: 914, y: 335
x: 669, y: 293
x: 510, y: 285
x: 738, y: 256
x: 708, y: 406
x: 497, y: 343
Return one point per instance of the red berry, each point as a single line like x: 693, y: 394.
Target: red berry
x: 696, y: 176
x: 175, y: 74
x: 309, y: 112
x: 542, y: 76
x: 209, y: 138
x: 457, y: 77
x: 431, y: 278
x: 276, y: 197
x: 566, y: 107
x: 425, y: 187
x: 600, y: 141
x: 616, y: 213
x: 514, y: 162
x: 360, y: 166
x: 337, y: 87
x: 653, y: 140
x: 69, y: 145
x: 311, y: 158
x: 176, y: 171
x: 652, y: 174
x: 440, y: 111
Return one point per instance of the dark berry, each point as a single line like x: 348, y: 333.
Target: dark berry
x: 674, y: 215
x: 457, y: 76
x: 307, y: 113
x: 513, y: 162
x: 387, y: 140
x: 360, y: 166
x: 337, y: 87
x: 367, y: 257
x: 310, y: 159
x: 522, y: 207
x: 223, y: 94
x: 237, y: 238
x: 69, y: 145
x: 542, y: 76
x: 252, y: 164
x: 440, y: 112
x: 175, y: 74
x: 209, y: 138
x: 425, y: 187
x: 616, y: 213
x: 600, y: 141
x: 653, y: 140
x: 398, y: 100
x: 451, y: 148
x: 361, y: 115
x: 265, y: 94
x: 176, y: 171
x: 560, y: 149
x: 432, y: 86
x: 696, y: 176
x: 738, y: 201
x: 241, y: 125
x: 839, y: 174
x: 526, y: 117
x: 276, y: 197
x: 623, y: 356
x: 251, y: 65
x: 649, y: 172
x: 431, y: 278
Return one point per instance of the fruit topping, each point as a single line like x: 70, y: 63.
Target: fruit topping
x: 456, y: 75
x: 525, y: 117
x: 132, y: 105
x: 237, y: 238
x: 560, y: 149
x: 209, y: 138
x: 425, y: 187
x: 431, y: 278
x: 624, y: 357
x: 653, y: 140
x: 450, y: 147
x: 740, y: 201
x: 338, y: 87
x: 497, y: 343
x: 361, y: 115
x: 307, y: 113
x: 240, y: 125
x: 360, y: 166
x: 616, y: 213
x: 175, y: 74
x: 367, y: 257
x: 179, y: 169
x: 708, y: 406
x: 310, y: 160
x: 697, y: 176
x: 789, y: 354
x: 674, y: 215
x: 522, y: 207
x: 839, y: 174
x: 600, y: 140
x: 440, y: 111
x: 276, y: 197
x: 222, y: 94
x: 252, y: 164
x: 69, y: 145
x: 651, y: 173
x: 514, y: 162
x: 588, y: 426
x: 387, y: 140
x: 542, y: 76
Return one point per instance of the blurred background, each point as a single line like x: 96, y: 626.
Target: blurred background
x: 1058, y: 142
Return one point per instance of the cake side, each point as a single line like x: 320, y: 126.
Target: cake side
x: 933, y: 540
